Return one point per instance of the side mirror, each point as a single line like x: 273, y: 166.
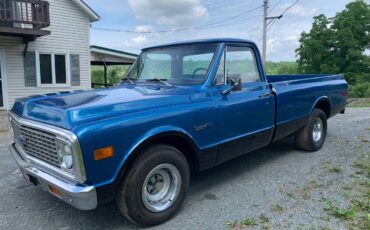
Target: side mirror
x: 235, y: 85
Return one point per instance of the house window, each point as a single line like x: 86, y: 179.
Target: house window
x: 52, y: 69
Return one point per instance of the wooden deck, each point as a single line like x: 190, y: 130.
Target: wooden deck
x: 24, y: 18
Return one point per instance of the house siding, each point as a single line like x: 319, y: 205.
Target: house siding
x: 70, y: 33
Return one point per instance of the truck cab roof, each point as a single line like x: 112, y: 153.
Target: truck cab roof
x: 202, y: 41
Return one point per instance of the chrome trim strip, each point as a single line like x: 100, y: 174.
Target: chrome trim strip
x: 77, y: 174
x: 79, y: 196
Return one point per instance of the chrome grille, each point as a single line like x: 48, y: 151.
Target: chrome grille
x: 36, y: 143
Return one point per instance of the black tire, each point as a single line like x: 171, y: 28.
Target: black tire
x: 304, y: 138
x: 129, y: 197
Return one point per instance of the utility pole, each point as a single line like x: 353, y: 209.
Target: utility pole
x: 265, y: 6
x: 266, y: 22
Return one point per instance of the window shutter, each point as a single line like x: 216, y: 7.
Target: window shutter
x: 30, y: 69
x: 75, y: 69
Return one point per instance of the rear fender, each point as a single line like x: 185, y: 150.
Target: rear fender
x: 318, y: 100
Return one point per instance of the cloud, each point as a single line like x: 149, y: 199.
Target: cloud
x: 299, y: 10
x: 169, y: 13
x: 139, y: 41
x: 144, y: 29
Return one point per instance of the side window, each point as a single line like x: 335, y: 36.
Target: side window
x: 220, y: 75
x: 241, y: 62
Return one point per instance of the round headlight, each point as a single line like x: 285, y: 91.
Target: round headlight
x: 67, y: 162
x: 67, y: 150
x: 65, y: 155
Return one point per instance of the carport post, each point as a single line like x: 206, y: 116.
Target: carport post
x: 105, y: 75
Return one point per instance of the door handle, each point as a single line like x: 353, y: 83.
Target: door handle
x: 264, y: 95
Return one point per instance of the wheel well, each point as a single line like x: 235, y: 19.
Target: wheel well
x: 324, y: 105
x: 183, y: 144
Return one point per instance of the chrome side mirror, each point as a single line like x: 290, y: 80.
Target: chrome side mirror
x: 235, y: 85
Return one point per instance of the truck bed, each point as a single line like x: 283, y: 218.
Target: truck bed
x: 298, y: 77
x: 297, y: 94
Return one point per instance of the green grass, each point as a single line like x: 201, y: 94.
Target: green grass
x: 277, y: 208
x: 249, y: 222
x: 358, y: 102
x: 346, y: 214
x: 335, y: 170
x: 357, y: 214
x: 263, y: 220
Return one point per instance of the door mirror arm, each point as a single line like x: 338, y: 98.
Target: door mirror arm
x: 235, y: 86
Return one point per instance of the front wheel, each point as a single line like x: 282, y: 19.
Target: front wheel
x: 155, y: 185
x: 312, y: 137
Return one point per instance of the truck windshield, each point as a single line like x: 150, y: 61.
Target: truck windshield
x: 186, y: 65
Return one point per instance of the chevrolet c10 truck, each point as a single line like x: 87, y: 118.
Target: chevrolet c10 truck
x: 181, y: 108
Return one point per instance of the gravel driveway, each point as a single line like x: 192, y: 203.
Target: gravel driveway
x: 274, y: 188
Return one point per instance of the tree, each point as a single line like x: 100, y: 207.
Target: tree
x: 338, y: 45
x: 314, y: 49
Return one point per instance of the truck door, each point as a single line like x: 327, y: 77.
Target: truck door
x: 246, y: 117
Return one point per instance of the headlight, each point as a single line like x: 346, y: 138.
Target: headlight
x: 65, y: 155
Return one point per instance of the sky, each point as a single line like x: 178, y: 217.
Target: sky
x: 225, y: 18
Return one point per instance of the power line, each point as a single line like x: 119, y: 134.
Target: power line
x: 283, y: 13
x: 289, y: 7
x: 179, y: 29
x: 275, y: 5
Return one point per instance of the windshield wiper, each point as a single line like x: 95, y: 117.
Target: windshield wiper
x: 129, y: 79
x: 163, y: 81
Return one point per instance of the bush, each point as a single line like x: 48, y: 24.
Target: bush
x: 361, y: 90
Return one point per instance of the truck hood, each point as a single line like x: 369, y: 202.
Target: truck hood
x: 68, y: 109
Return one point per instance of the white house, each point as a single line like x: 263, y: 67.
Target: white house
x: 44, y: 47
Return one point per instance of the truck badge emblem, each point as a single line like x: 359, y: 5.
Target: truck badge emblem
x: 22, y: 140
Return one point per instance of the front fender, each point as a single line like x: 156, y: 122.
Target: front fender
x: 152, y: 135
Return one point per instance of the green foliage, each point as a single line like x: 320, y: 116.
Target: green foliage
x: 115, y: 74
x: 276, y: 68
x: 347, y: 214
x: 339, y: 45
x: 361, y: 89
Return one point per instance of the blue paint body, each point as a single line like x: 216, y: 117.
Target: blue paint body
x: 127, y: 115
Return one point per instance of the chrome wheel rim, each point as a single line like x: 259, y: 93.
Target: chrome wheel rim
x: 161, y: 187
x: 317, y: 130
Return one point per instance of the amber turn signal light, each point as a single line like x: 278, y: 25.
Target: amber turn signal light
x: 55, y: 191
x: 103, y: 153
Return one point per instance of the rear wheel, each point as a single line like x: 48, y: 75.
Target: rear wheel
x: 155, y: 186
x: 312, y: 137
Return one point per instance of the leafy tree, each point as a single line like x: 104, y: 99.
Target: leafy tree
x: 314, y: 50
x: 338, y: 45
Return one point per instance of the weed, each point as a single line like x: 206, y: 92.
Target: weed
x: 313, y: 184
x: 277, y: 208
x: 305, y: 193
x: 231, y: 224
x: 264, y: 218
x: 335, y: 170
x: 346, y: 214
x: 360, y: 165
x: 290, y: 195
x: 249, y: 222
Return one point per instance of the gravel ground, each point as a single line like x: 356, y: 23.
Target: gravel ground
x: 274, y: 188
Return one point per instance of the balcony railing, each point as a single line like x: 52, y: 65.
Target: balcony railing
x: 24, y: 14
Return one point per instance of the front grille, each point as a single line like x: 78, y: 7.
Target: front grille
x: 36, y: 143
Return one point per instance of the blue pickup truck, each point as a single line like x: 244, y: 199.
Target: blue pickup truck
x: 181, y: 108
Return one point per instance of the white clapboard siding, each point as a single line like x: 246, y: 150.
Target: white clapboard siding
x: 70, y: 33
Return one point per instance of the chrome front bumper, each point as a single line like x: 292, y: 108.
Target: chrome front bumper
x: 79, y: 196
